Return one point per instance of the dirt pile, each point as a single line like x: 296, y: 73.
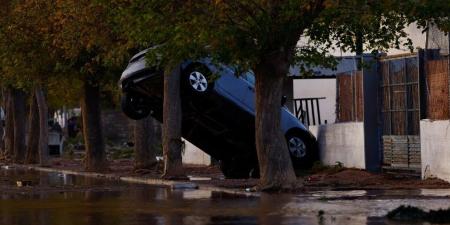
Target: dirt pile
x: 360, y: 179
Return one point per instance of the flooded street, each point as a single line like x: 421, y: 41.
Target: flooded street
x: 55, y: 199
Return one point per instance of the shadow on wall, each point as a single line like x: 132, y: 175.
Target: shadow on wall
x: 341, y: 142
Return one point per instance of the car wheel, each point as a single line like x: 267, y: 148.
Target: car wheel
x: 135, y: 106
x: 196, y: 79
x: 239, y: 169
x: 302, y: 149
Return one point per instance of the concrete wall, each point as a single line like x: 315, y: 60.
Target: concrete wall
x: 341, y: 142
x: 194, y: 156
x: 435, y: 148
x: 117, y: 128
x: 315, y: 88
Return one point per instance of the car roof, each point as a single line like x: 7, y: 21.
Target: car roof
x: 141, y: 53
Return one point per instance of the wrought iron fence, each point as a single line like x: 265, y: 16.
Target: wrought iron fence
x: 307, y: 110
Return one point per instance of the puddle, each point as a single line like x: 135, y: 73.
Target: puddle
x: 56, y: 198
x: 6, y: 167
x: 436, y: 192
x: 191, y: 178
x: 197, y: 194
x: 336, y: 194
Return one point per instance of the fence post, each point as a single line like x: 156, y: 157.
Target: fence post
x: 370, y: 81
x: 448, y: 69
x: 338, y: 117
x: 423, y: 91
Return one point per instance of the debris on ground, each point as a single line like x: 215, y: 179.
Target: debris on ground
x: 361, y: 179
x: 319, y: 178
x: 24, y: 183
x: 414, y: 214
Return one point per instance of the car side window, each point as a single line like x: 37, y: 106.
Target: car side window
x: 249, y: 77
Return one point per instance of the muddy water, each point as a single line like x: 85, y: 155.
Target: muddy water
x: 56, y: 199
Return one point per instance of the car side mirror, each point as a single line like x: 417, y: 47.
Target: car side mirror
x: 283, y: 100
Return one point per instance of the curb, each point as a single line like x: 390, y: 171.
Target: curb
x: 175, y: 185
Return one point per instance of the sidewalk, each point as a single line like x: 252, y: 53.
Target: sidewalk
x: 203, y: 178
x: 210, y: 178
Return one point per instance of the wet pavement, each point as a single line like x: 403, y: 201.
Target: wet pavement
x: 56, y: 199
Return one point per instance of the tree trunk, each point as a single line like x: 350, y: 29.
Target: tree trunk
x: 2, y: 134
x: 2, y: 128
x: 43, y: 126
x: 9, y: 125
x: 33, y: 133
x: 95, y: 159
x: 275, y: 165
x: 144, y: 144
x: 19, y: 116
x: 172, y: 144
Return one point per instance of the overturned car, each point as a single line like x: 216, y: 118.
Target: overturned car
x: 218, y: 113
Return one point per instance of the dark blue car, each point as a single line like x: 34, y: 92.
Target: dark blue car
x: 218, y: 111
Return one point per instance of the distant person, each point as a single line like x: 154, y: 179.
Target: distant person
x: 72, y: 128
x: 54, y: 126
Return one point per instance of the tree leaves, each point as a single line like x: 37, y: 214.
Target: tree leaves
x: 60, y: 38
x: 44, y: 38
x: 241, y: 32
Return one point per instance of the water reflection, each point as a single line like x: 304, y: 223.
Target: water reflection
x: 197, y: 194
x: 337, y: 194
x: 57, y: 199
x: 435, y: 192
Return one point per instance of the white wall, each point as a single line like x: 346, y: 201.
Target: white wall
x: 341, y: 142
x: 194, y: 156
x: 435, y: 148
x: 313, y: 88
x: 418, y: 38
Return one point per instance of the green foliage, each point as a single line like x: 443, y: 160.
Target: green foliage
x: 23, y: 56
x: 243, y: 32
x: 59, y: 43
x: 64, y: 91
x: 163, y: 24
x: 61, y: 40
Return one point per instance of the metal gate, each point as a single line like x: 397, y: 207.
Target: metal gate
x: 307, y: 110
x: 400, y: 112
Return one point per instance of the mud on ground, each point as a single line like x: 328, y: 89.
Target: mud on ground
x: 360, y: 179
x: 325, y: 179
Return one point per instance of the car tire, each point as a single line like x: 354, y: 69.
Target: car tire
x: 135, y: 106
x: 302, y: 149
x: 196, y: 79
x: 239, y: 169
